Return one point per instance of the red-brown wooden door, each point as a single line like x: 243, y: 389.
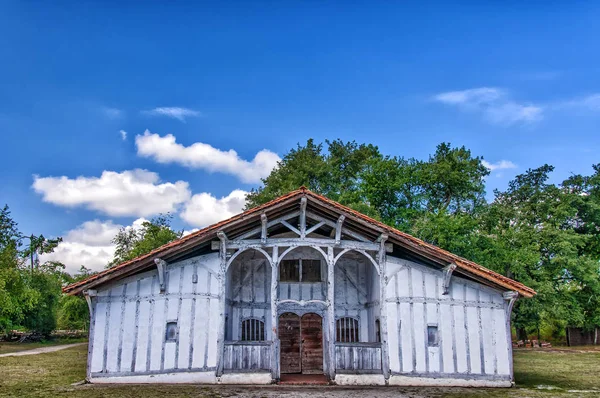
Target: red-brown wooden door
x: 311, y: 331
x: 289, y: 343
x: 301, y: 343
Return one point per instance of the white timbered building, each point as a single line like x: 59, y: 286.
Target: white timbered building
x: 300, y: 285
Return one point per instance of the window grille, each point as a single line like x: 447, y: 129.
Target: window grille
x: 253, y: 330
x: 346, y: 330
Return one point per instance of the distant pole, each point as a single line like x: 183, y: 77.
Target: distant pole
x: 31, y: 251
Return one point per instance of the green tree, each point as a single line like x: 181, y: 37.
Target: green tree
x: 46, y: 281
x: 28, y: 298
x: 73, y: 312
x: 335, y: 174
x: 131, y: 243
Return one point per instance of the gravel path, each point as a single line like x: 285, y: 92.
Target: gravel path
x: 40, y: 350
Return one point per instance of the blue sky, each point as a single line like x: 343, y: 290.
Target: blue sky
x: 516, y: 83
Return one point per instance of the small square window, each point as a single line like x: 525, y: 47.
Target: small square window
x: 432, y: 336
x: 311, y: 270
x: 289, y: 271
x: 171, y: 334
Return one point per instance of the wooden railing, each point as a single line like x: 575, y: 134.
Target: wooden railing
x: 358, y: 357
x: 247, y: 355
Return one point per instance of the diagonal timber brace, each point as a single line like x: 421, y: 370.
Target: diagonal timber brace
x: 511, y: 297
x: 448, y: 270
x: 161, y: 265
x: 88, y: 294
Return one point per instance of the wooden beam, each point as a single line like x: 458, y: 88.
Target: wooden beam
x: 161, y: 265
x: 263, y: 232
x: 448, y: 270
x: 381, y: 260
x: 338, y: 229
x: 274, y: 319
x: 303, y: 217
x: 331, y: 313
x: 222, y: 286
x: 274, y: 221
x: 289, y: 242
x: 333, y: 225
x: 315, y: 227
x: 88, y: 294
x: 511, y: 298
x: 291, y: 228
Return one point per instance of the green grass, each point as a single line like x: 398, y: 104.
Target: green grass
x: 541, y: 373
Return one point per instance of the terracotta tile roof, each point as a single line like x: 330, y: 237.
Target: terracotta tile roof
x: 420, y: 245
x: 416, y: 244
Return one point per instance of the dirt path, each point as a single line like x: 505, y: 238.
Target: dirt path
x: 40, y: 350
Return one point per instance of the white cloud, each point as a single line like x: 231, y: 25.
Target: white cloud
x: 112, y: 113
x: 190, y: 231
x: 130, y: 193
x: 89, y: 244
x: 494, y: 104
x: 174, y: 112
x: 123, y: 134
x: 205, y: 209
x: 590, y: 102
x: 200, y: 155
x: 501, y: 165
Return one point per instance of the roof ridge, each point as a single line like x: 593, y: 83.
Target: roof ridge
x: 461, y: 262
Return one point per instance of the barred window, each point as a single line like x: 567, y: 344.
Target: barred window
x: 253, y: 330
x: 346, y: 330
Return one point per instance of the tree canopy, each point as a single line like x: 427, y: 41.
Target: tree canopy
x: 542, y: 234
x: 131, y: 242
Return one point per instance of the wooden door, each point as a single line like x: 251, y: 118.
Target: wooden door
x: 289, y: 343
x: 311, y: 330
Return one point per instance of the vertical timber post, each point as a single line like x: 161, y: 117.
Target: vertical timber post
x: 263, y: 229
x: 338, y: 229
x: 331, y: 311
x: 381, y: 260
x: 274, y: 323
x: 303, y: 217
x: 510, y: 298
x: 223, y: 280
x: 88, y: 294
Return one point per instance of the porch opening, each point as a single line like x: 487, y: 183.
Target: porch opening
x: 248, y: 345
x: 357, y: 313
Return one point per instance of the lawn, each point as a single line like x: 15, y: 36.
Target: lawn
x: 568, y: 372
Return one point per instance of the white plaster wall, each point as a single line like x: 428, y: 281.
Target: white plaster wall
x: 471, y: 324
x: 130, y: 319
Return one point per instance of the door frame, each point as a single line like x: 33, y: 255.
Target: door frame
x: 312, y: 308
